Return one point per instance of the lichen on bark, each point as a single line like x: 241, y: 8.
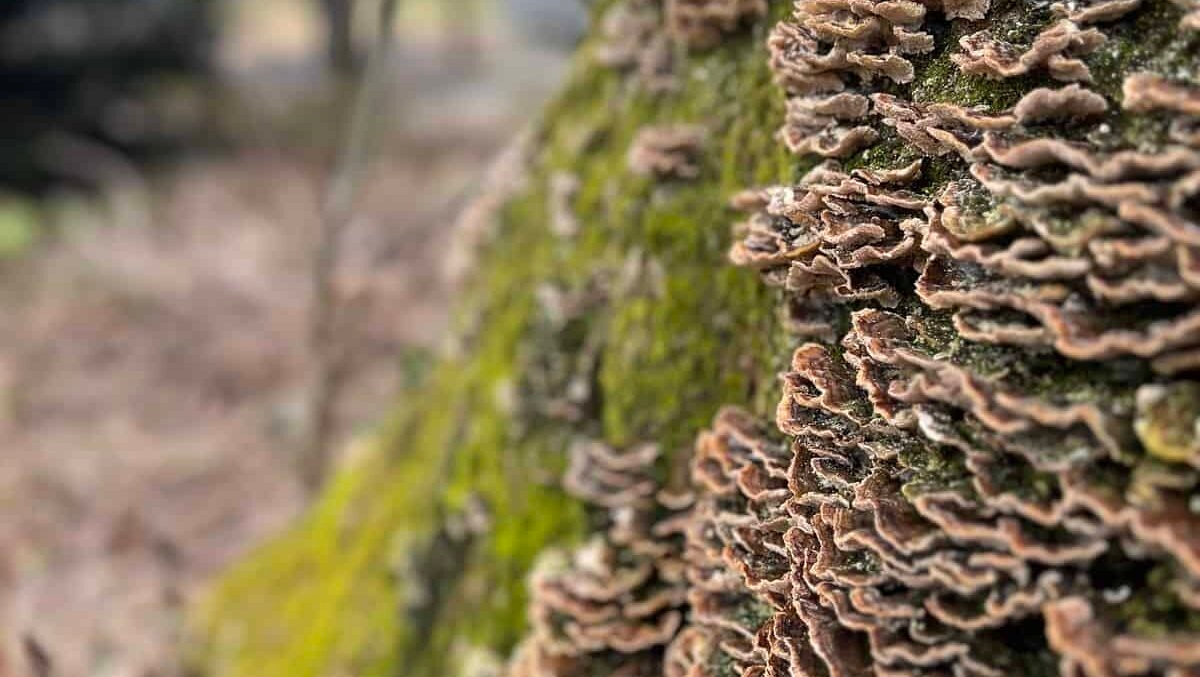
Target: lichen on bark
x: 984, y: 459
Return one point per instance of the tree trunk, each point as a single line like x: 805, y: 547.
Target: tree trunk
x: 981, y: 457
x: 339, y: 26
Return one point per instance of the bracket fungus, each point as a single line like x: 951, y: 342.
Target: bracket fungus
x: 633, y: 39
x: 987, y: 450
x: 1056, y: 50
x: 667, y: 151
x: 703, y: 23
x: 616, y: 601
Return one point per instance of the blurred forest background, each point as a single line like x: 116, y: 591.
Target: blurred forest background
x: 172, y: 336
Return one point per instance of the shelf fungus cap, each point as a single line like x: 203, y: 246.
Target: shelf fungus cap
x: 1146, y: 92
x: 1056, y: 49
x: 1168, y: 421
x: 703, y: 23
x: 667, y: 151
x: 1066, y: 103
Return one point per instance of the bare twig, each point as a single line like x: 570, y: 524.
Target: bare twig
x: 336, y: 213
x: 339, y: 15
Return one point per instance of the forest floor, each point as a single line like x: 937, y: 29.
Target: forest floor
x: 153, y: 363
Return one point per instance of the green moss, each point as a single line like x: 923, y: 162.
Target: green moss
x: 1148, y: 41
x: 941, y: 81
x: 1166, y: 422
x: 1156, y: 610
x: 938, y: 78
x: 324, y: 598
x: 935, y: 469
x: 19, y: 225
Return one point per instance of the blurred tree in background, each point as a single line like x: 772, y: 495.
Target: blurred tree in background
x: 83, y: 68
x: 339, y: 22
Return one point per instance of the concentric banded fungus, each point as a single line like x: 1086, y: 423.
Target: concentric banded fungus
x: 994, y: 464
x: 1191, y: 20
x: 1094, y: 11
x: 1057, y: 50
x: 634, y: 39
x: 1071, y: 253
x: 739, y: 476
x: 1148, y: 92
x: 617, y: 600
x: 833, y: 236
x: 835, y: 44
x: 1069, y: 103
x: 702, y: 23
x: 1018, y: 494
x: 670, y: 151
x: 933, y: 545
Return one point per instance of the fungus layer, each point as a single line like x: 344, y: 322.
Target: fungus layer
x: 615, y: 602
x: 670, y: 151
x: 992, y: 464
x: 702, y: 23
x: 633, y: 40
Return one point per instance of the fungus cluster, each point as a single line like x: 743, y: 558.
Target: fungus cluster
x: 992, y: 463
x: 703, y: 23
x: 641, y: 36
x: 994, y: 474
x: 633, y: 40
x: 612, y: 605
x: 668, y: 151
x: 830, y: 238
x: 1056, y: 51
x: 830, y: 55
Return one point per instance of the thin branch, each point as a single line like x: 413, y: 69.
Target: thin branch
x: 338, y: 208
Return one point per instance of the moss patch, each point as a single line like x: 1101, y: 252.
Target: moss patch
x: 342, y: 593
x: 18, y: 226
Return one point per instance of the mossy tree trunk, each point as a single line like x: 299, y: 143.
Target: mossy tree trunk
x: 626, y: 324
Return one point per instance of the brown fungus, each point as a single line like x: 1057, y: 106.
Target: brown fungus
x: 702, y: 23
x: 618, y: 599
x: 626, y: 31
x: 1091, y: 646
x: 1057, y: 50
x: 830, y: 236
x: 825, y: 48
x: 1094, y: 11
x: 1190, y: 20
x: 1070, y: 102
x: 634, y: 40
x: 816, y: 125
x: 984, y: 475
x: 671, y: 151
x: 1146, y: 92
